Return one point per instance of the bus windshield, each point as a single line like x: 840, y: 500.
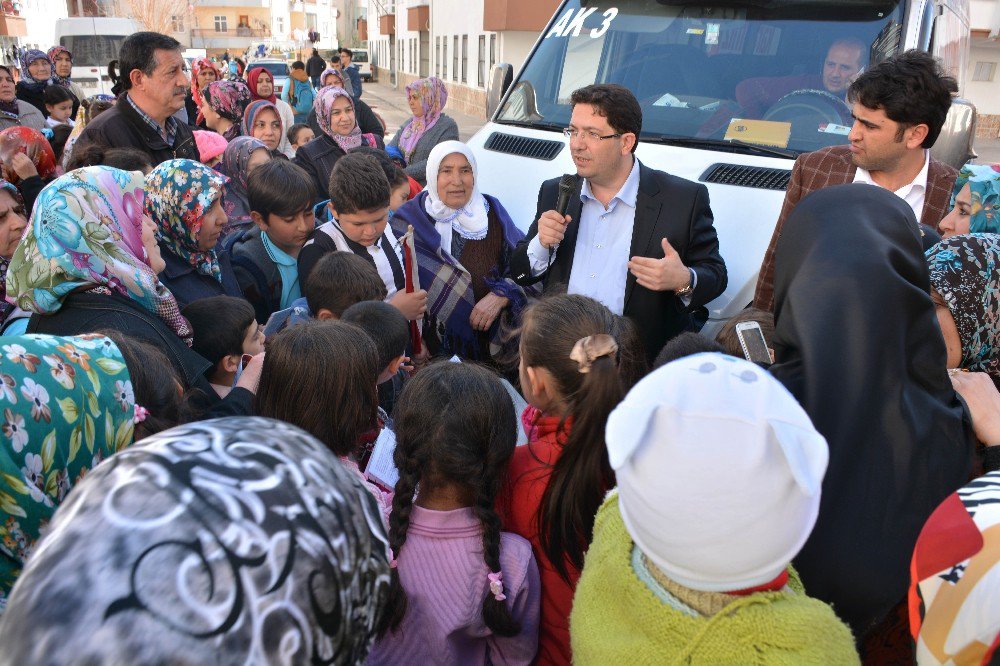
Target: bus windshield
x: 743, y: 75
x: 93, y: 50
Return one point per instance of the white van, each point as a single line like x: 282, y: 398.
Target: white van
x: 684, y: 59
x: 94, y: 42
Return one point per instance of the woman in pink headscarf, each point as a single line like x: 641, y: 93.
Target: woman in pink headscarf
x: 428, y: 127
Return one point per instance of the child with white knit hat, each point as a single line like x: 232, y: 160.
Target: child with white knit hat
x: 719, y: 473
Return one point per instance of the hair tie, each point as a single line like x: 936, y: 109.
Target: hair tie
x: 589, y: 349
x: 393, y: 563
x: 496, y: 585
x: 139, y: 414
x: 47, y: 133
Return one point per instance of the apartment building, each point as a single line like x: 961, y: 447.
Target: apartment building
x: 458, y: 41
x: 982, y: 80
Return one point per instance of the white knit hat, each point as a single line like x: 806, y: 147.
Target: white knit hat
x: 719, y: 472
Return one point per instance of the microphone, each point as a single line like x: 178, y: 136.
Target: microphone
x: 567, y: 186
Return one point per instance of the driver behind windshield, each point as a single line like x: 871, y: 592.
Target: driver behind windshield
x: 841, y: 65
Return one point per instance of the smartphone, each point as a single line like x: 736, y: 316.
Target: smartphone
x: 246, y: 358
x: 752, y: 341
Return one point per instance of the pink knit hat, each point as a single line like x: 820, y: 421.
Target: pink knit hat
x: 210, y: 144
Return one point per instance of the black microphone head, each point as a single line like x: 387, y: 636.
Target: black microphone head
x: 568, y: 183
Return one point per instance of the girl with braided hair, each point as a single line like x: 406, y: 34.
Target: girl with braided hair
x: 461, y: 589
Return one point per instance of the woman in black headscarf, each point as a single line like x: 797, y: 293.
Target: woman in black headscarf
x: 857, y: 342
x: 232, y: 541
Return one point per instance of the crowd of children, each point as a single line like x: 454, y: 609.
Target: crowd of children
x: 249, y: 419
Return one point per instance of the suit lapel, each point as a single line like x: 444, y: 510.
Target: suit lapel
x: 647, y: 213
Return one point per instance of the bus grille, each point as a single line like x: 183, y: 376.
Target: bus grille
x: 747, y: 176
x: 539, y: 149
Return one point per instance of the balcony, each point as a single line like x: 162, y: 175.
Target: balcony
x: 13, y: 26
x: 263, y: 4
x: 526, y: 15
x: 234, y: 38
x: 387, y: 24
x: 418, y: 18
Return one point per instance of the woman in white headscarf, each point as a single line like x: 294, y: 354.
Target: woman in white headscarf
x: 463, y: 239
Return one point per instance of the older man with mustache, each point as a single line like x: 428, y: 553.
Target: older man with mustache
x: 155, y: 88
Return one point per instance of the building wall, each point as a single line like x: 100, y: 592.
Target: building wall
x: 984, y: 65
x: 456, y: 28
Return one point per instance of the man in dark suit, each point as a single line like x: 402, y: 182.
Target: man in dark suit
x: 638, y: 240
x: 899, y: 107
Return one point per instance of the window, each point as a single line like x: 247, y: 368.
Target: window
x: 465, y: 58
x: 177, y: 23
x: 221, y: 24
x: 481, y: 57
x: 279, y: 24
x: 984, y: 71
x: 444, y: 58
x: 493, y: 50
x: 437, y: 57
x: 454, y: 59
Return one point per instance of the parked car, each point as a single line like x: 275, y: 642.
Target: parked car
x: 279, y: 70
x: 363, y: 62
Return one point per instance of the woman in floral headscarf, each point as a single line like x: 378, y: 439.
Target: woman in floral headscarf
x: 89, y: 261
x: 28, y: 161
x: 261, y: 85
x: 243, y: 155
x: 203, y: 72
x: 68, y: 405
x: 428, y: 127
x: 369, y: 121
x: 12, y: 223
x: 223, y: 104
x: 965, y: 287
x: 184, y: 200
x: 975, y: 202
x: 62, y: 71
x: 339, y: 133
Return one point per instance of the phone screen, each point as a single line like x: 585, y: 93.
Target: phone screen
x: 753, y: 343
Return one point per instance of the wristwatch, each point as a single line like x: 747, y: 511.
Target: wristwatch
x: 684, y: 291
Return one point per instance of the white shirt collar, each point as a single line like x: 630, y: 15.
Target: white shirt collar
x: 627, y: 194
x: 920, y: 181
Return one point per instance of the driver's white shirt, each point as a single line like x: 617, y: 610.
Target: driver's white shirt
x: 912, y: 193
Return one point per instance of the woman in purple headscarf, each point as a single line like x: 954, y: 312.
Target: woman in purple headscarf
x: 340, y: 133
x: 36, y: 75
x: 223, y: 104
x: 428, y: 127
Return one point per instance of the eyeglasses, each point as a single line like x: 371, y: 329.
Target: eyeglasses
x: 589, y: 135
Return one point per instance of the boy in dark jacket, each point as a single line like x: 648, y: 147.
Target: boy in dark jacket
x: 265, y: 257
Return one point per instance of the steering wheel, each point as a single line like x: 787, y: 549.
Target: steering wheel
x: 810, y: 108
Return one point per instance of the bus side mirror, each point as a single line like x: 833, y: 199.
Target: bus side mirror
x: 954, y: 145
x: 500, y: 79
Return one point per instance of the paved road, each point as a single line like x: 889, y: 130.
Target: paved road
x: 989, y: 151
x: 391, y: 105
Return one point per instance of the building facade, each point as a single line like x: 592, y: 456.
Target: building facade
x: 982, y: 80
x: 28, y: 24
x: 459, y: 41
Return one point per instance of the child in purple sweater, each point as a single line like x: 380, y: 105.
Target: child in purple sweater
x: 462, y: 591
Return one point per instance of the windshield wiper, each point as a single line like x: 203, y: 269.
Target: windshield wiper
x: 723, y: 143
x: 541, y: 125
